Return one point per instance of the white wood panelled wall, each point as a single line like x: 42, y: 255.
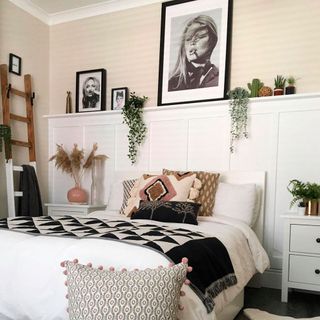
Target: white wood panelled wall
x: 283, y: 141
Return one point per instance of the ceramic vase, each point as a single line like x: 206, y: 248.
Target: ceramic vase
x: 77, y: 195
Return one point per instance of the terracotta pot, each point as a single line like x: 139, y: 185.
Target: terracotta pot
x: 77, y: 195
x: 278, y: 92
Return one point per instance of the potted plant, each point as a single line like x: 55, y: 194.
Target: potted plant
x: 239, y: 100
x: 133, y: 117
x: 309, y: 193
x: 279, y: 84
x: 291, y: 89
x: 254, y: 87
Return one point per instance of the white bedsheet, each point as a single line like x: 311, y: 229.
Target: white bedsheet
x: 32, y: 283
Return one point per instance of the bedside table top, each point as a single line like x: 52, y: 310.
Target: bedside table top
x: 292, y: 215
x: 68, y: 205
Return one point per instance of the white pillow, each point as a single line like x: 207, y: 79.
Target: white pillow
x: 238, y: 201
x: 116, y: 196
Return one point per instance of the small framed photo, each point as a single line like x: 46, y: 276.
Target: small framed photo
x: 194, y: 51
x: 119, y: 97
x: 91, y: 90
x: 14, y: 64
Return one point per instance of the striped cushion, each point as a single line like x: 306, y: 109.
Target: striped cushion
x: 208, y: 189
x: 127, y: 186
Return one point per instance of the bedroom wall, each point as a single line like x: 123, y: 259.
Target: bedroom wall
x: 27, y: 37
x: 269, y: 38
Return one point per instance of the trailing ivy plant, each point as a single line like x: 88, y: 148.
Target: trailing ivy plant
x: 239, y: 100
x: 133, y: 117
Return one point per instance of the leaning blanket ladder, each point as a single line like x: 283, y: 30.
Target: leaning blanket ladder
x: 28, y: 95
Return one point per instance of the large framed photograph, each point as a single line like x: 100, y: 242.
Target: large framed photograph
x: 119, y: 97
x: 91, y: 90
x: 194, y: 51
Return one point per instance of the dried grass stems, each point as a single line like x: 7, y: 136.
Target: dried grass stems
x: 74, y: 164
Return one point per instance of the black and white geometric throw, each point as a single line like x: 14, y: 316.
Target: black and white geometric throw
x: 212, y: 268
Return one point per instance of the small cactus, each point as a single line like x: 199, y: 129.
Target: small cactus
x: 254, y: 87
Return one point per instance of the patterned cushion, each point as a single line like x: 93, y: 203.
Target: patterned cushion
x: 168, y: 211
x: 127, y: 186
x: 208, y: 190
x: 162, y: 187
x: 149, y: 294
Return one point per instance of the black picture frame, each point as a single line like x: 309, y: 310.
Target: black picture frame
x: 15, y: 64
x: 94, y: 97
x: 123, y: 94
x: 184, y: 47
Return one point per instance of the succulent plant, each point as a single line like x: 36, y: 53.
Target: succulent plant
x: 254, y: 87
x: 279, y: 82
x: 291, y: 81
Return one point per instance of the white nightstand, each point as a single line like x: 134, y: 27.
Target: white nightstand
x: 56, y: 209
x: 301, y: 254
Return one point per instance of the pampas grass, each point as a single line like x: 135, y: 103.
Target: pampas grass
x: 75, y: 164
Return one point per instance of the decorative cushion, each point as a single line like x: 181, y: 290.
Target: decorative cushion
x: 209, y: 181
x: 236, y: 201
x: 161, y: 187
x: 168, y: 211
x: 116, y: 196
x: 127, y: 187
x: 149, y: 294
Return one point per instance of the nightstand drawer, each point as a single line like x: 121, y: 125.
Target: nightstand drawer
x: 304, y: 269
x: 305, y: 238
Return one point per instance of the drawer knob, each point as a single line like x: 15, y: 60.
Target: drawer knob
x: 318, y: 240
x: 317, y: 271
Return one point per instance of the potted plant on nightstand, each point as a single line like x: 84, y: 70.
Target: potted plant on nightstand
x: 279, y: 84
x: 307, y: 192
x: 291, y: 89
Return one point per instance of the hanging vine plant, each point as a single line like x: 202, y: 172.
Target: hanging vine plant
x: 133, y: 117
x: 239, y: 100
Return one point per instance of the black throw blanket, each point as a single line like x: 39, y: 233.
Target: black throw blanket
x: 212, y: 268
x: 30, y: 203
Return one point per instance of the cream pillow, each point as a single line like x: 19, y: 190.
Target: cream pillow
x: 161, y: 187
x: 150, y: 294
x: 236, y: 201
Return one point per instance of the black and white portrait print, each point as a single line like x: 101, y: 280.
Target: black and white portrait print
x: 194, y: 59
x: 90, y: 90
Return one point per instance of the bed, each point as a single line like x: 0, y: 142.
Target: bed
x: 32, y: 283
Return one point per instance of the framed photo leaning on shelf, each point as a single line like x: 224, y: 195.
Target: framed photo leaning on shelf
x: 91, y: 90
x: 119, y: 97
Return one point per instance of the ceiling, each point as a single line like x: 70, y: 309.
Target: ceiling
x: 53, y: 7
x: 58, y: 11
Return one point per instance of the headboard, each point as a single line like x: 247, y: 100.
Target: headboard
x: 235, y: 177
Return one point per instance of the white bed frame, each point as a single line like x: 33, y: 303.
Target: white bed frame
x: 236, y: 177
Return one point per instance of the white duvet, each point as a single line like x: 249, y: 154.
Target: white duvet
x: 32, y: 284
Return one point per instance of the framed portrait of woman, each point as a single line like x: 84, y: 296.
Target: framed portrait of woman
x: 119, y: 97
x: 91, y: 90
x: 194, y: 51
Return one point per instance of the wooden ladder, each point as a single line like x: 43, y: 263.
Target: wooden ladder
x: 6, y: 91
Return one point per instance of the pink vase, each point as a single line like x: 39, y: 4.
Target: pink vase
x: 77, y: 195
